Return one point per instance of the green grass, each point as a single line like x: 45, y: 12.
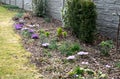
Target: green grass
x: 14, y: 62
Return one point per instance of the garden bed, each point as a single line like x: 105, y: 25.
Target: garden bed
x: 53, y: 64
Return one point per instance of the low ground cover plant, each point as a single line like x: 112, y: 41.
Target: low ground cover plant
x: 106, y: 46
x: 85, y: 73
x: 67, y: 48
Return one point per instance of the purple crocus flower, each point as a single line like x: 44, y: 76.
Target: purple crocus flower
x: 31, y: 31
x: 18, y: 26
x: 34, y: 36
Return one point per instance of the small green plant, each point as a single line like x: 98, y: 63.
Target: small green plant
x: 43, y: 38
x: 117, y: 64
x: 47, y: 34
x: 64, y: 34
x: 59, y: 32
x: 41, y: 31
x: 26, y: 34
x: 53, y: 44
x: 106, y: 46
x: 69, y: 48
x: 82, y: 73
x: 47, y: 19
x: 47, y: 53
x: 19, y: 15
x: 75, y: 47
x: 65, y: 49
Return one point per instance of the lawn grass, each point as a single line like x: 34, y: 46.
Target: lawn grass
x: 14, y: 62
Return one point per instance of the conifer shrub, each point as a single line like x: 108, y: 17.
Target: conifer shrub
x: 80, y: 15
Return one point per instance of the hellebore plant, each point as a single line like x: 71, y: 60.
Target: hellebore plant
x: 35, y: 36
x: 18, y: 26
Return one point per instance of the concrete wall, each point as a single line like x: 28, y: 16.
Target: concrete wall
x: 107, y: 22
x: 54, y: 7
x: 27, y: 4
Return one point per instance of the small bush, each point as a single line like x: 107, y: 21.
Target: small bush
x: 39, y: 7
x: 80, y: 15
x: 105, y: 47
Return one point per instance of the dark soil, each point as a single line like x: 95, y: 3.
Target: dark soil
x: 56, y: 66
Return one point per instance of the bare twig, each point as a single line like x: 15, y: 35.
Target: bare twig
x: 117, y: 38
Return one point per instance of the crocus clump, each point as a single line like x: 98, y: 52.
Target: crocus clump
x: 82, y: 53
x: 21, y: 21
x: 31, y: 31
x: 35, y: 36
x: 23, y: 29
x: 85, y: 63
x: 71, y: 57
x: 45, y: 44
x: 30, y: 26
x: 18, y: 26
x: 108, y: 66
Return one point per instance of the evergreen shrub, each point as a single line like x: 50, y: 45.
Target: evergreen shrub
x: 80, y: 15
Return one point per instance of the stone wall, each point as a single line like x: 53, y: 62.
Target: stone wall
x: 106, y: 22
